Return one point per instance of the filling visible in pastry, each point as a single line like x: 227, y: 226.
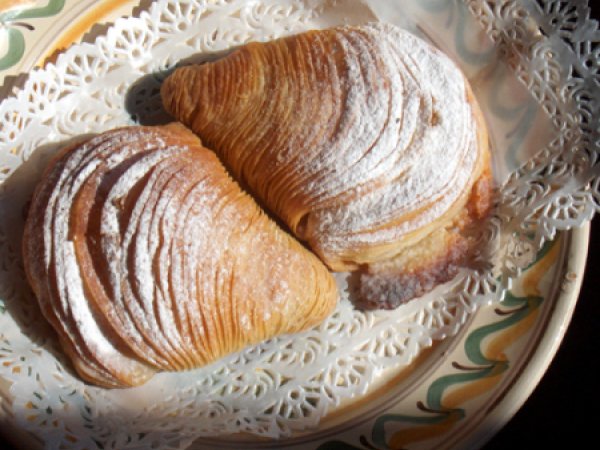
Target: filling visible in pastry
x: 365, y: 141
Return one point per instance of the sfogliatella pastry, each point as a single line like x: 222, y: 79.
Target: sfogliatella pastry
x: 145, y: 256
x: 366, y: 141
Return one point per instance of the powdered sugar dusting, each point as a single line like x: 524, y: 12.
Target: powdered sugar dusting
x: 413, y: 152
x: 354, y: 137
x: 148, y: 244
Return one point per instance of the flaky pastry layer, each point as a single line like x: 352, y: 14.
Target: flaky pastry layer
x: 145, y: 256
x: 363, y: 140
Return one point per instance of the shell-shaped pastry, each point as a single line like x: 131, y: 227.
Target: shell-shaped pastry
x: 145, y: 256
x: 363, y: 140
x: 356, y: 137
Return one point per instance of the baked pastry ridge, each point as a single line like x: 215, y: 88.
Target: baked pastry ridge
x: 145, y: 256
x: 364, y: 140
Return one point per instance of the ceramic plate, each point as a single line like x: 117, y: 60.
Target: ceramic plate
x: 458, y: 391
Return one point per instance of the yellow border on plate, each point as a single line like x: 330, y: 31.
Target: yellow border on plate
x: 518, y: 390
x: 95, y: 15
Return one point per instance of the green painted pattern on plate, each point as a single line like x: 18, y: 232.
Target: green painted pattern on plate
x: 517, y: 309
x: 16, y: 49
x: 15, y: 38
x: 53, y: 7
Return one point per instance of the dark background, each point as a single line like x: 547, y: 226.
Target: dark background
x: 563, y: 411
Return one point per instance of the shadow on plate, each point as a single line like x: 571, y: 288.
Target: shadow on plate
x: 143, y: 101
x: 16, y: 296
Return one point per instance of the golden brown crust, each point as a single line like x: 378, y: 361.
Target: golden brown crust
x: 145, y: 256
x: 313, y: 124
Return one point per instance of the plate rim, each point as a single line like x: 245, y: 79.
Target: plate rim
x: 535, y: 367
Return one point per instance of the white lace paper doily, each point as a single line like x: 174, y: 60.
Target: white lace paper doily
x: 289, y: 383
